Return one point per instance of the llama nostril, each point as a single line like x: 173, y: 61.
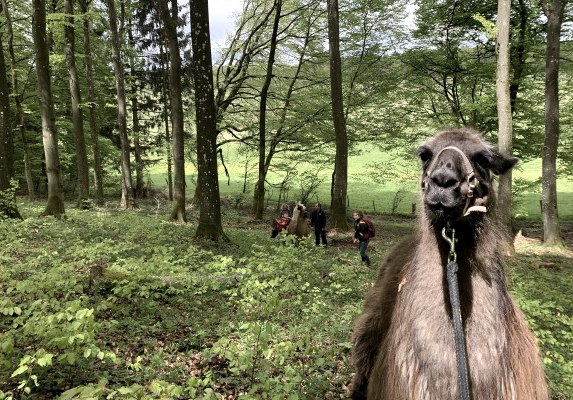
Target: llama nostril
x: 445, y: 178
x: 450, y: 183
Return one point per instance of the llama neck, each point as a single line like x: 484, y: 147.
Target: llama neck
x: 479, y: 258
x: 479, y: 242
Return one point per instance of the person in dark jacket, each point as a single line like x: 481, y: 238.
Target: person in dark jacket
x: 318, y: 221
x: 361, y: 235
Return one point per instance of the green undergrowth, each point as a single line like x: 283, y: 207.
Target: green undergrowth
x: 541, y: 286
x: 124, y: 305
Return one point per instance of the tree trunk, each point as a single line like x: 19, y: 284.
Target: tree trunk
x: 170, y: 28
x: 139, y: 190
x: 551, y: 230
x: 504, y: 109
x: 5, y: 124
x: 55, y: 204
x: 20, y: 118
x: 98, y: 181
x: 260, y: 185
x: 127, y: 201
x: 338, y: 211
x: 207, y: 176
x: 166, y: 106
x: 139, y: 182
x: 518, y: 54
x: 76, y: 101
x: 8, y: 207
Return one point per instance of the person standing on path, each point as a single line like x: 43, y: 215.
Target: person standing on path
x: 318, y: 221
x: 361, y: 235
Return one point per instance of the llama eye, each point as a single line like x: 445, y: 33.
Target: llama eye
x: 425, y: 155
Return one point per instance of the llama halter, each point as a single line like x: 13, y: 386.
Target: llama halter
x: 470, y: 178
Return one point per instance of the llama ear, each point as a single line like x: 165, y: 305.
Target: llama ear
x: 500, y: 163
x: 425, y: 154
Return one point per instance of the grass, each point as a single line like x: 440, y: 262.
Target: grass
x: 369, y: 188
x: 126, y: 305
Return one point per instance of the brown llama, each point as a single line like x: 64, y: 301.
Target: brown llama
x: 404, y: 347
x: 299, y: 223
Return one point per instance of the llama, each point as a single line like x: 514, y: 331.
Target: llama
x: 403, y: 340
x: 299, y: 223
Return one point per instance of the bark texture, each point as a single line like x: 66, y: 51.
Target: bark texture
x: 55, y: 204
x: 127, y: 200
x: 96, y: 155
x: 259, y: 198
x: 551, y: 229
x: 76, y: 101
x: 20, y: 117
x: 170, y: 27
x: 504, y: 109
x: 207, y: 178
x: 338, y: 207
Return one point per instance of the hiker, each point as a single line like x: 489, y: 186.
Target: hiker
x: 318, y: 222
x: 282, y: 221
x: 361, y: 235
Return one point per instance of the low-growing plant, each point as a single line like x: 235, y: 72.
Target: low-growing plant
x: 118, y: 305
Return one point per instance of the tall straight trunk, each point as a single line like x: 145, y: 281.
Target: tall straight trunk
x: 20, y: 117
x: 8, y: 140
x: 168, y: 147
x: 260, y: 185
x: 168, y: 150
x: 519, y: 46
x: 5, y: 123
x: 170, y: 27
x: 338, y: 206
x: 136, y: 132
x: 97, y: 169
x: 76, y: 101
x: 551, y: 230
x: 127, y: 200
x: 135, y: 125
x: 8, y: 207
x: 55, y: 204
x: 207, y: 176
x: 504, y: 109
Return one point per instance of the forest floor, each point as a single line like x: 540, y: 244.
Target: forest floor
x: 124, y: 305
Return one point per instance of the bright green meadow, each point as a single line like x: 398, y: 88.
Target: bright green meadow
x: 369, y: 189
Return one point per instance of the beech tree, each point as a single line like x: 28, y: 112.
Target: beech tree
x: 205, y: 114
x: 338, y: 201
x: 76, y: 101
x: 504, y: 107
x: 260, y: 186
x: 554, y: 11
x: 170, y: 28
x: 91, y: 104
x: 7, y: 208
x: 17, y: 96
x: 127, y: 200
x: 55, y: 204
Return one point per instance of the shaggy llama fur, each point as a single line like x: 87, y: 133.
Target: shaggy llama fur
x: 403, y: 340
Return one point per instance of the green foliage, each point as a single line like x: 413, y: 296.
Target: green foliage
x: 126, y: 305
x: 538, y: 286
x: 8, y: 206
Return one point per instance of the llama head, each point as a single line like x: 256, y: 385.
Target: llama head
x: 458, y: 169
x: 300, y: 209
